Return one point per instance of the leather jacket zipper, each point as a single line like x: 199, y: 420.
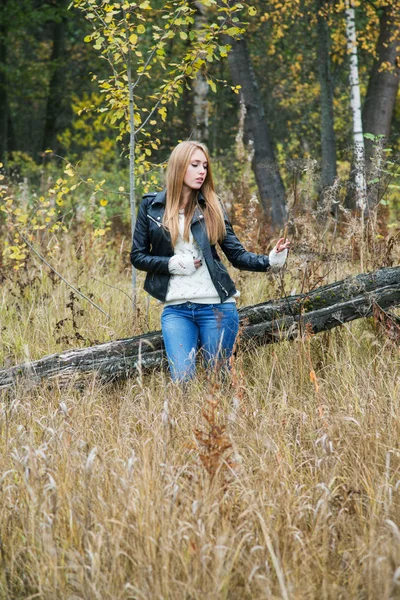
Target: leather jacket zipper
x: 154, y: 221
x: 220, y: 284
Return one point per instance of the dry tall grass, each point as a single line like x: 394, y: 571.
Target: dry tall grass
x: 104, y: 492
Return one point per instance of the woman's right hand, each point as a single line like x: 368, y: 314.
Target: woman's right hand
x: 183, y: 265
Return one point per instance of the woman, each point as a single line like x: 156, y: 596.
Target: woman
x: 175, y: 242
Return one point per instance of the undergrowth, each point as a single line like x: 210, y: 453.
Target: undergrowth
x: 281, y: 482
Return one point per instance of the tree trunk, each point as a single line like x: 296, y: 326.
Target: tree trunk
x: 328, y: 145
x: 269, y: 181
x: 355, y: 100
x: 269, y: 322
x: 3, y: 83
x: 57, y: 80
x: 384, y: 79
x: 132, y: 185
x: 200, y: 86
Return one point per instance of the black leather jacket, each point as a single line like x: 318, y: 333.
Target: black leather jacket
x: 152, y: 249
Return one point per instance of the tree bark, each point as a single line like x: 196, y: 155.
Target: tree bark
x: 269, y: 181
x: 328, y: 144
x: 200, y: 86
x: 355, y: 101
x: 384, y: 79
x: 269, y: 322
x: 4, y: 116
x: 57, y: 80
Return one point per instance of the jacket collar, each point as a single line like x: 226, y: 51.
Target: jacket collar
x: 160, y: 198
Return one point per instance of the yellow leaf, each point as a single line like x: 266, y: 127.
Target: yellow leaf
x: 103, y: 202
x: 252, y: 11
x: 183, y: 35
x: 133, y: 39
x: 69, y: 171
x: 141, y: 29
x: 99, y: 232
x: 121, y: 188
x: 1, y: 177
x: 163, y: 112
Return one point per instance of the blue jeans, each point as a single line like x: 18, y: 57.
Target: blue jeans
x: 190, y: 326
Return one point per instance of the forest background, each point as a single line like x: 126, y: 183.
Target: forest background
x: 284, y: 481
x: 290, y: 70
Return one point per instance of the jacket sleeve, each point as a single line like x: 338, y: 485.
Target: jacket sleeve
x: 238, y: 256
x: 141, y: 256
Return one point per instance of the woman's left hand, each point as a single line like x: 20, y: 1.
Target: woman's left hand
x: 282, y: 244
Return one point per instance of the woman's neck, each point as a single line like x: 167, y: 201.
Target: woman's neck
x: 186, y: 197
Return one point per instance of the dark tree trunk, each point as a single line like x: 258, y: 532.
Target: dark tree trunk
x: 57, y: 80
x: 266, y: 323
x: 269, y: 181
x: 383, y: 82
x: 328, y: 146
x: 4, y: 116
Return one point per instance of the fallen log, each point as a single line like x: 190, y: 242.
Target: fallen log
x: 269, y: 322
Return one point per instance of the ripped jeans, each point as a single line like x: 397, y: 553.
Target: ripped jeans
x: 188, y: 327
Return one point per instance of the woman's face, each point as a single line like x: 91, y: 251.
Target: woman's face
x: 196, y: 171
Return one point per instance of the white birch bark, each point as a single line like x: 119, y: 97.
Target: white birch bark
x: 355, y: 100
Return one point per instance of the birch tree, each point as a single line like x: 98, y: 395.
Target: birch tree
x: 355, y: 102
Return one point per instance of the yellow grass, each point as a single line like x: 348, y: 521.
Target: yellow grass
x: 103, y: 491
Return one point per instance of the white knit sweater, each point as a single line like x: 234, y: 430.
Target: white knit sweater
x: 197, y: 286
x: 188, y: 284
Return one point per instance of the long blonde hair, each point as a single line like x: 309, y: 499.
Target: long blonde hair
x: 213, y: 215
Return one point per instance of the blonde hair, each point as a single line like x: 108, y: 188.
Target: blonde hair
x: 213, y: 215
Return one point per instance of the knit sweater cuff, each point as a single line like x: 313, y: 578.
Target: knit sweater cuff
x: 277, y: 259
